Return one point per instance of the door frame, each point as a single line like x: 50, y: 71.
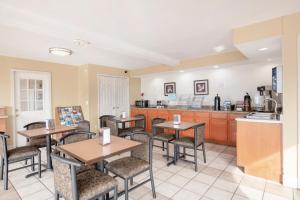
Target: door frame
x: 13, y: 98
x: 98, y: 88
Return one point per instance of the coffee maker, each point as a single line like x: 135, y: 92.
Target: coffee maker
x: 262, y: 93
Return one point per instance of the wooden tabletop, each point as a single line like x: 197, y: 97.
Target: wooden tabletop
x: 91, y: 151
x: 127, y: 119
x: 182, y: 126
x: 43, y: 131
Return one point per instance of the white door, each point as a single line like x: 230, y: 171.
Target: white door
x: 32, y: 92
x: 113, y: 95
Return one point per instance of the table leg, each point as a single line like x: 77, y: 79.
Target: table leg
x: 176, y: 150
x: 49, y: 161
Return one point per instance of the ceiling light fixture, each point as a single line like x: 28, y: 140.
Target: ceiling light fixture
x: 216, y: 66
x: 263, y: 49
x: 81, y: 43
x: 181, y: 71
x: 60, y: 51
x: 219, y: 49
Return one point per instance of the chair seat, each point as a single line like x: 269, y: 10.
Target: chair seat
x: 127, y: 167
x: 91, y: 183
x: 125, y: 132
x: 40, y: 142
x: 164, y: 137
x: 22, y: 152
x: 137, y: 129
x: 184, y: 141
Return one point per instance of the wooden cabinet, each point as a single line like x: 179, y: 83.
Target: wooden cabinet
x: 232, y: 127
x: 205, y: 118
x: 218, y: 127
x: 187, y: 116
x: 152, y: 113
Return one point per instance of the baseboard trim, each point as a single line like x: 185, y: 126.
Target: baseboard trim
x: 290, y: 181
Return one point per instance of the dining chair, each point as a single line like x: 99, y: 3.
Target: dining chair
x: 90, y: 184
x: 160, y: 135
x: 39, y: 142
x: 104, y: 118
x: 140, y: 125
x: 116, y: 131
x: 192, y: 143
x: 84, y: 125
x: 138, y: 162
x: 16, y: 155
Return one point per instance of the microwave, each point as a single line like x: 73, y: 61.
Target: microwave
x: 142, y: 103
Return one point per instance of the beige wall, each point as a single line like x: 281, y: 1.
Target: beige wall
x: 64, y: 79
x: 288, y: 27
x: 134, y: 90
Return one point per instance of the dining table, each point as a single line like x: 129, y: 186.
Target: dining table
x: 182, y: 126
x: 125, y: 120
x: 47, y: 133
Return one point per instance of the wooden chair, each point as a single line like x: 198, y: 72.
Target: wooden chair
x: 16, y: 155
x: 160, y: 135
x: 90, y: 184
x: 192, y: 143
x: 139, y: 162
x: 104, y: 118
x: 140, y: 125
x: 84, y: 125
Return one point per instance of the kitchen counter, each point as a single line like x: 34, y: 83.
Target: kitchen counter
x: 269, y: 121
x: 3, y: 116
x: 204, y: 109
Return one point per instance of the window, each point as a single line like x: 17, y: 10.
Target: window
x: 31, y: 95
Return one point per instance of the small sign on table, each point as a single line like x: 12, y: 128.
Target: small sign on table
x: 104, y: 135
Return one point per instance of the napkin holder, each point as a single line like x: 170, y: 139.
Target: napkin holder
x: 104, y: 135
x: 50, y: 124
x: 123, y: 115
x: 176, y: 119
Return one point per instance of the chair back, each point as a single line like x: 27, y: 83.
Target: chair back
x: 112, y: 124
x: 3, y: 145
x: 83, y: 125
x: 200, y: 135
x: 35, y: 125
x: 76, y: 136
x: 64, y: 171
x: 141, y: 123
x: 104, y: 118
x: 157, y: 121
x: 143, y: 152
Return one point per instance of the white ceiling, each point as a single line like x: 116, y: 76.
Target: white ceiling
x: 129, y: 33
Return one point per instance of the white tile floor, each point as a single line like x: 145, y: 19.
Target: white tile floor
x: 218, y: 179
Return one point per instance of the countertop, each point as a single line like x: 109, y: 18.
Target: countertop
x: 271, y: 121
x: 3, y: 116
x: 203, y: 109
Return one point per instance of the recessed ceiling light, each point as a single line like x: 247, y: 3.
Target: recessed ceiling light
x: 181, y: 71
x: 263, y: 49
x: 216, y: 66
x: 60, y: 51
x: 269, y: 59
x: 219, y: 49
x: 81, y: 43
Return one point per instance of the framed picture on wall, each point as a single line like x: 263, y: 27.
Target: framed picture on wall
x: 170, y: 88
x: 201, y: 87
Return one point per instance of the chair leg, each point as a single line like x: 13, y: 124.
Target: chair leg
x: 39, y: 164
x: 168, y: 151
x: 116, y: 193
x: 152, y: 184
x: 56, y: 195
x: 163, y: 146
x: 2, y: 169
x: 126, y: 188
x: 184, y: 152
x: 131, y: 181
x: 175, y: 154
x: 32, y: 164
x: 6, y: 175
x: 204, y: 153
x: 26, y: 162
x: 195, y: 158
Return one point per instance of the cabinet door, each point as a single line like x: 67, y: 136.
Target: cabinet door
x: 232, y: 132
x: 152, y: 113
x: 205, y: 118
x: 187, y: 116
x: 218, y: 130
x: 163, y: 114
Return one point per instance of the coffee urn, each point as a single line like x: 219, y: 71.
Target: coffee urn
x: 217, y: 103
x: 247, y: 102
